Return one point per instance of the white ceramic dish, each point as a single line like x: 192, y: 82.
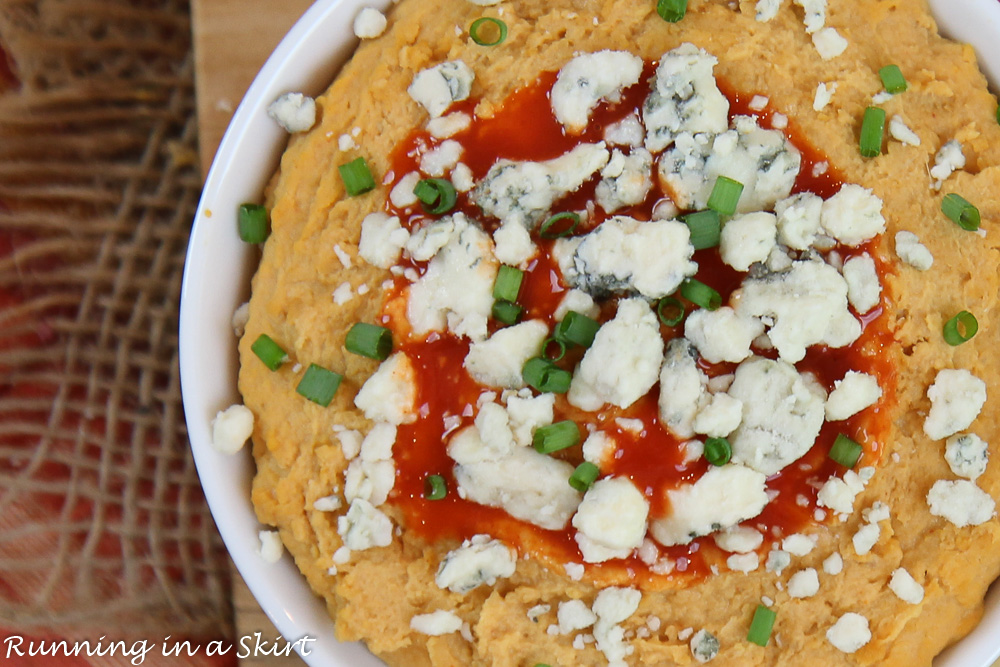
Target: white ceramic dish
x: 217, y: 277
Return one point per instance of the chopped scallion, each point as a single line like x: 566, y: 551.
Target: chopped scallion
x: 546, y: 231
x: 700, y: 294
x: 558, y: 345
x: 252, y: 223
x: 436, y: 195
x: 872, y: 129
x: 508, y: 283
x: 435, y: 487
x: 357, y: 177
x: 761, y: 625
x: 584, y: 476
x: 269, y: 352
x: 577, y: 328
x: 556, y: 436
x: 481, y: 29
x: 319, y: 384
x: 670, y: 311
x: 506, y: 312
x: 845, y: 451
x: 960, y: 328
x: 545, y: 376
x: 960, y: 211
x: 369, y: 340
x: 671, y: 10
x: 892, y: 79
x: 725, y: 195
x: 718, y: 451
x: 704, y: 227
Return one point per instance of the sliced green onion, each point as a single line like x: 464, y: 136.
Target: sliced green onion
x: 761, y: 625
x: 960, y: 211
x: 506, y: 312
x: 872, y: 128
x: 435, y: 487
x: 508, y: 283
x: 704, y: 227
x: 960, y: 328
x: 319, y: 384
x: 670, y: 311
x: 545, y: 376
x: 369, y: 340
x: 357, y: 177
x: 700, y: 294
x: 718, y: 451
x: 725, y: 195
x: 436, y: 195
x: 546, y: 231
x: 577, y: 328
x: 671, y: 10
x: 252, y: 223
x: 556, y: 436
x: 560, y: 346
x: 487, y: 23
x: 845, y: 451
x: 585, y: 474
x: 269, y: 352
x: 892, y: 79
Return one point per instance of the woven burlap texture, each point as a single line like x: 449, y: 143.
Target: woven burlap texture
x: 103, y: 527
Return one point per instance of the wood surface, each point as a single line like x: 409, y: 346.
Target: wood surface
x: 232, y: 40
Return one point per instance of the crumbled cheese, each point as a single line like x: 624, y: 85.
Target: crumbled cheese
x: 436, y: 88
x: 824, y: 93
x: 743, y: 562
x: 588, y: 79
x: 612, y: 606
x: 900, y: 131
x: 462, y: 178
x: 574, y: 570
x: 906, y: 587
x: 327, y: 504
x: 839, y: 494
x: 450, y: 125
x: 597, y: 447
x: 808, y: 305
x: 350, y: 443
x: 294, y: 112
x: 947, y: 160
x: 851, y: 395
x: 684, y: 98
x: 722, y: 334
x: 611, y: 520
x: 382, y: 239
x: 866, y: 538
x: 849, y: 633
x: 389, y: 395
x: 401, y: 195
x: 803, y: 584
x: 441, y: 159
x: 369, y: 23
x: 961, y: 502
x: 724, y: 496
x: 863, y: 287
x: 758, y: 103
x: 625, y: 180
x: 498, y: 360
x: 829, y: 43
x: 623, y: 363
x: 967, y: 455
x: 480, y: 560
x: 627, y: 255
x: 527, y: 485
x: 271, y: 548
x: 231, y: 429
x: 538, y: 611
x: 762, y: 160
x: 523, y: 192
x: 833, y: 564
x: 782, y: 414
x: 798, y: 220
x: 704, y: 646
x: 240, y: 318
x: 853, y: 215
x: 720, y: 417
x: 579, y: 301
x: 437, y: 623
x: 778, y: 560
x: 748, y: 238
x: 343, y: 294
x: 364, y: 527
x: 912, y: 251
x: 456, y: 289
x: 626, y: 132
x: 799, y: 544
x: 739, y: 539
x: 574, y: 615
x: 956, y: 398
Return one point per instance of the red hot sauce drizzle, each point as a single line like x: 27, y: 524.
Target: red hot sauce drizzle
x: 524, y: 128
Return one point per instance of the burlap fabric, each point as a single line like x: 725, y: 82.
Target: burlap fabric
x: 103, y: 528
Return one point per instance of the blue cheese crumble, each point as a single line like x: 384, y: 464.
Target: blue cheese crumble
x: 589, y: 79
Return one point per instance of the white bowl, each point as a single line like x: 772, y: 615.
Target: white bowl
x: 217, y: 278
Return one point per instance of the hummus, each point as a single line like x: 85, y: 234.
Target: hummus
x: 672, y: 378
